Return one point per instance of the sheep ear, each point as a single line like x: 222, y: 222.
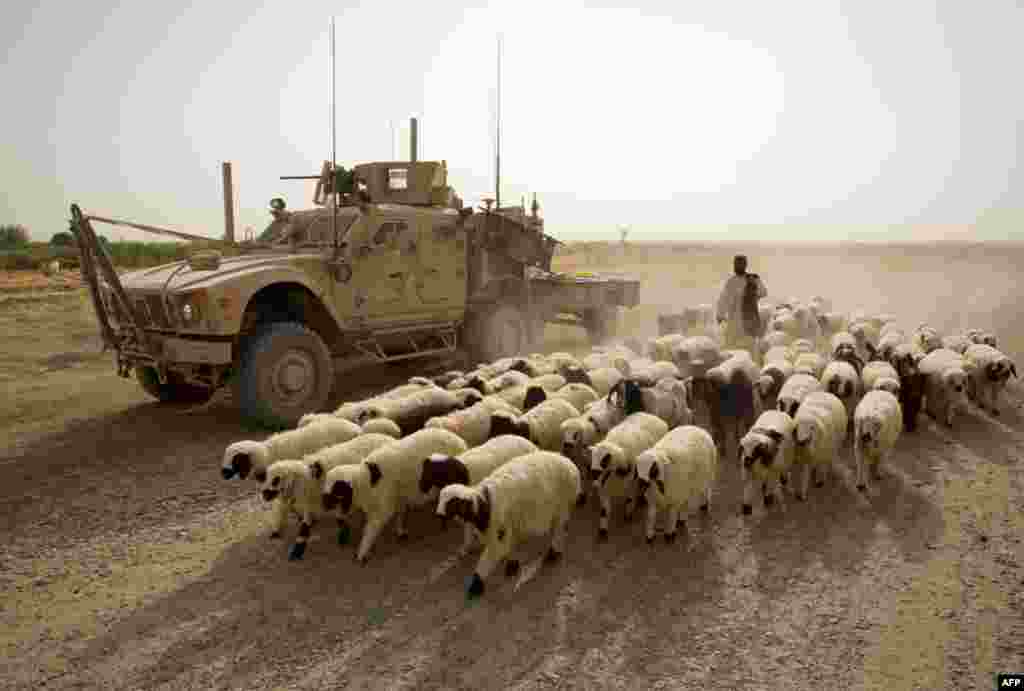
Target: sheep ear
x: 1013, y: 370
x: 375, y: 474
x: 316, y: 469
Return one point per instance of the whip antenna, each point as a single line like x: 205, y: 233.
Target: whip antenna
x: 334, y: 152
x: 497, y: 138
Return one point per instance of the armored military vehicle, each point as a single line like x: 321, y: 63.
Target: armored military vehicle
x: 388, y: 265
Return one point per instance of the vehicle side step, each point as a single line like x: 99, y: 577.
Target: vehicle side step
x: 419, y: 342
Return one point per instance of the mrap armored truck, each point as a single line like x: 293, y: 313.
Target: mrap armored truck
x: 387, y: 266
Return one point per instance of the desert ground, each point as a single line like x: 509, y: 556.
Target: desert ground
x: 129, y: 563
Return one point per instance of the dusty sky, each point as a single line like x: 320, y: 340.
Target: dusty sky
x: 859, y: 119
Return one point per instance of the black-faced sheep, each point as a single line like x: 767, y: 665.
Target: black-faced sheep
x: 988, y: 372
x: 766, y: 456
x: 542, y: 425
x: 245, y: 457
x: 819, y: 432
x: 877, y: 423
x: 945, y: 384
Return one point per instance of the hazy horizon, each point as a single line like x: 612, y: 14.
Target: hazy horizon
x: 827, y: 122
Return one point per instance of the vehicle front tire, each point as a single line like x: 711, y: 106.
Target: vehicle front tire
x: 285, y: 372
x: 174, y: 391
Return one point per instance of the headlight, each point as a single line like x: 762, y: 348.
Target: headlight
x: 187, y: 312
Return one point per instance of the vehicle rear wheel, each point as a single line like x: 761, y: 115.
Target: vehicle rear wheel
x: 600, y: 323
x: 498, y: 332
x: 176, y: 390
x: 285, y: 372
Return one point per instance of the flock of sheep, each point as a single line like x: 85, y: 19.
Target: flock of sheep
x: 512, y: 448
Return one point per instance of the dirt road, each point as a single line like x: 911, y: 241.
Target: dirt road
x: 130, y: 564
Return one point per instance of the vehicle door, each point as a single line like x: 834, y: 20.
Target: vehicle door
x: 380, y: 271
x: 442, y: 254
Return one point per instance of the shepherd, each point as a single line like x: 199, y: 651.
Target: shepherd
x: 737, y: 307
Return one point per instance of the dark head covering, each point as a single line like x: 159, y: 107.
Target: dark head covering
x: 737, y: 260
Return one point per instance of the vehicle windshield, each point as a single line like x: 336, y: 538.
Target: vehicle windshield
x: 311, y: 226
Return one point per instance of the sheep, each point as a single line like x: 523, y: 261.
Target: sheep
x: 603, y: 379
x: 412, y: 412
x: 580, y: 395
x: 807, y: 324
x: 880, y: 375
x: 957, y: 343
x: 542, y: 425
x: 520, y: 396
x: 774, y: 339
x: 493, y: 369
x: 660, y: 349
x: 445, y: 379
x: 842, y: 380
x: 832, y: 323
x: 649, y: 376
x: 983, y: 338
x: 503, y: 381
x: 776, y: 370
x: 892, y: 327
x: 630, y: 365
x: 794, y: 390
x: 819, y: 305
x: 386, y: 483
x: 616, y: 455
x: 695, y: 355
x: 877, y: 423
x: 809, y: 363
x: 472, y: 424
x: 945, y: 384
x: 529, y: 496
x: 888, y: 343
x: 471, y: 467
x: 680, y: 468
x: 926, y: 339
x: 766, y: 455
x: 382, y: 425
x: 866, y: 337
x: 670, y: 400
x: 988, y: 372
x: 819, y: 433
x: 595, y: 361
x: 905, y: 360
x: 244, y: 457
x: 352, y: 410
x: 729, y: 396
x: 589, y: 428
x: 840, y: 340
x: 799, y: 347
x: 296, y: 485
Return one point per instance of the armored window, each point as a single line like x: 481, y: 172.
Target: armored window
x: 398, y: 178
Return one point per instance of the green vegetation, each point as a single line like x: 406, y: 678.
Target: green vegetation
x: 132, y: 255
x: 13, y: 237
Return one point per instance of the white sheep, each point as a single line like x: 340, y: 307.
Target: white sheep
x: 580, y: 395
x: 597, y: 360
x: 506, y: 380
x: 832, y: 323
x: 877, y: 424
x: 244, y: 457
x: 880, y: 375
x: 926, y: 339
x: 382, y: 425
x: 794, y: 390
x: 775, y: 338
x: 410, y: 413
x: 840, y: 340
x: 766, y: 456
x: 535, y: 391
x: 470, y: 468
x: 695, y: 355
x: 603, y: 379
x: 296, y: 485
x: 888, y: 343
x: 988, y: 372
x: 613, y: 458
x: 351, y: 411
x: 819, y: 305
x: 542, y: 424
x: 386, y: 483
x: 660, y: 349
x: 842, y: 381
x: 674, y: 474
x: 820, y: 429
x: 493, y: 369
x: 472, y: 424
x: 668, y: 399
x: 980, y: 337
x: 799, y: 347
x: 945, y: 384
x: 810, y: 363
x: 866, y: 336
x: 529, y: 496
x: 585, y: 430
x: 774, y: 374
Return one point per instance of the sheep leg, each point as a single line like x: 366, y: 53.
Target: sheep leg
x: 706, y: 506
x: 652, y: 520
x: 489, y: 560
x: 279, y: 513
x: 769, y: 494
x: 401, y: 530
x: 858, y: 457
x: 805, y: 481
x: 748, y: 494
x: 673, y: 524
x: 606, y: 509
x: 631, y: 502
x: 469, y: 537
x: 299, y: 547
x: 344, y: 531
x: 558, y: 539
x: 371, y: 531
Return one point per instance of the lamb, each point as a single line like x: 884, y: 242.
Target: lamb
x: 877, y: 423
x: 412, y: 412
x: 988, y: 372
x: 615, y: 455
x: 473, y: 424
x: 810, y: 363
x: 542, y: 425
x: 244, y: 457
x: 295, y: 485
x: 382, y: 425
x: 880, y: 375
x: 820, y: 429
x: 766, y: 455
x: 945, y: 384
x: 386, y: 483
x: 794, y: 391
x: 926, y: 339
x: 695, y: 355
x: 679, y: 469
x: 471, y: 467
x: 842, y: 381
x: 529, y: 496
x: 728, y: 393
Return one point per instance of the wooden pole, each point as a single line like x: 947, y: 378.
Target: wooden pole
x: 229, y: 205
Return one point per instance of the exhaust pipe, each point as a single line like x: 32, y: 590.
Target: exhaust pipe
x: 229, y: 205
x: 412, y: 140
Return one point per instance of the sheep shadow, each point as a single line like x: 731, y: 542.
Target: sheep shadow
x: 256, y: 615
x: 122, y: 460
